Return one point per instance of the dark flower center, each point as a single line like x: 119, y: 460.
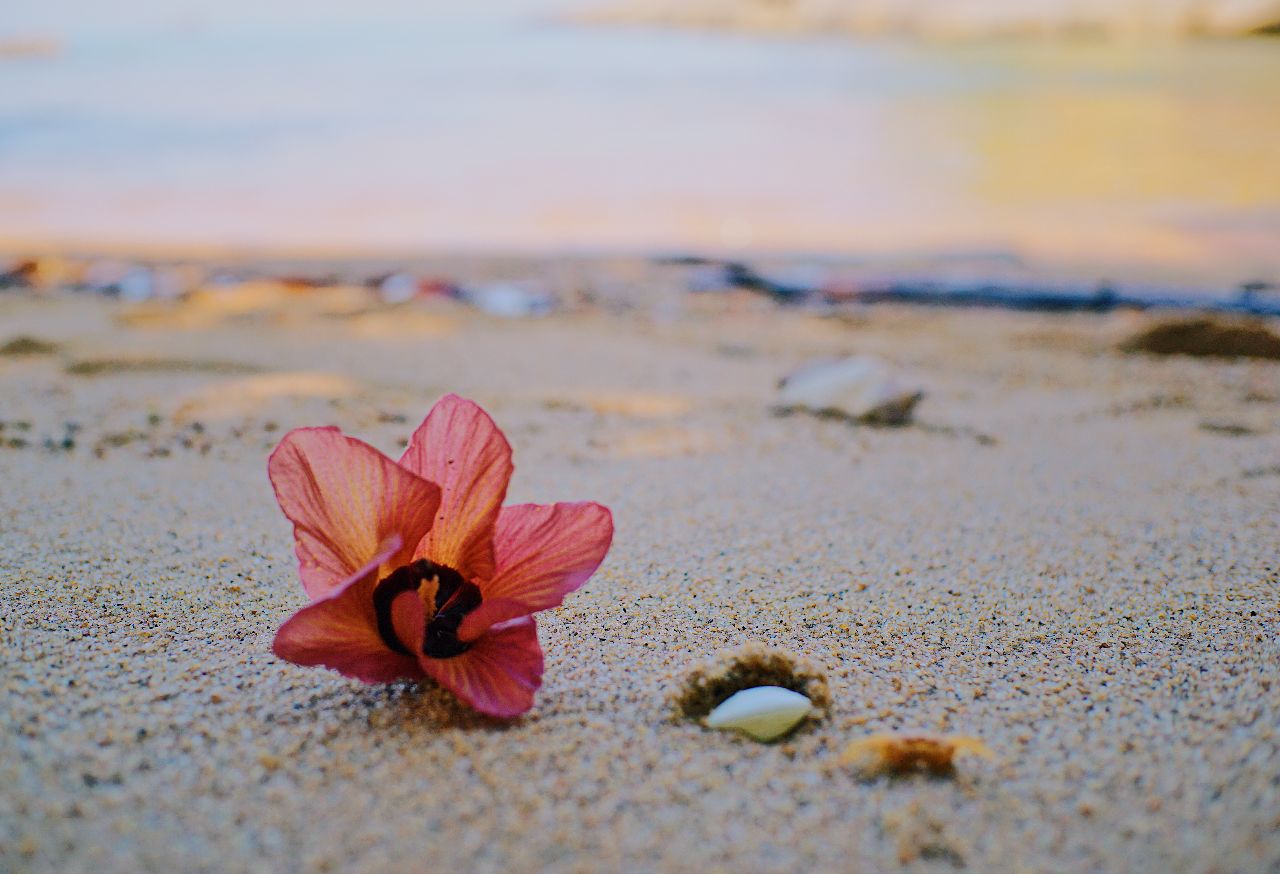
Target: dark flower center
x: 454, y: 599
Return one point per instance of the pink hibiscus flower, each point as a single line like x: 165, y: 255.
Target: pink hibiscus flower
x: 416, y: 570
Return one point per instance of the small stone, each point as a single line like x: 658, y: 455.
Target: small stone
x: 708, y: 685
x: 861, y: 389
x: 765, y: 713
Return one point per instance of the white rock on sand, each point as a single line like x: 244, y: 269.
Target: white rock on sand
x: 859, y: 388
x: 765, y: 713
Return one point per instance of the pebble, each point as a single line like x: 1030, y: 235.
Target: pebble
x: 861, y: 389
x: 765, y: 713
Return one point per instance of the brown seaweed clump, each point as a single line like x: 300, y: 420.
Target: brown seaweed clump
x: 1207, y: 338
x: 24, y: 345
x: 754, y: 664
x: 100, y: 366
x: 899, y: 755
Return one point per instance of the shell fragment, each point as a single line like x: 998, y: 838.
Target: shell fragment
x: 861, y: 389
x: 765, y: 713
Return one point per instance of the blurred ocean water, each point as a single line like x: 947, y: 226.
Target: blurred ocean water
x: 395, y: 125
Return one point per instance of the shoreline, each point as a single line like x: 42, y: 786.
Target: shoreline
x: 997, y: 258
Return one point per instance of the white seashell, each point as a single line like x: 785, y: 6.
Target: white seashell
x: 765, y: 712
x: 861, y: 389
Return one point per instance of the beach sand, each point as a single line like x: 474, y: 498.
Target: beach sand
x: 1072, y: 19
x: 1072, y: 556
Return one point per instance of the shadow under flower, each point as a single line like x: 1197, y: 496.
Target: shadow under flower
x: 404, y: 705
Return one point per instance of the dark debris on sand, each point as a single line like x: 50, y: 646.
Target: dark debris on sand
x: 1210, y: 338
x: 25, y: 345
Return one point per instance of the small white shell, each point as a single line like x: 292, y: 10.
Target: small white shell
x: 765, y: 712
x: 860, y: 388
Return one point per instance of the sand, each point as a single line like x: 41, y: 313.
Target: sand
x: 1092, y: 589
x: 951, y: 19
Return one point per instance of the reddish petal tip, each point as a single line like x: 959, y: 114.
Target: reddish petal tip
x: 459, y: 447
x: 499, y: 674
x: 344, y: 497
x: 546, y: 551
x: 340, y: 630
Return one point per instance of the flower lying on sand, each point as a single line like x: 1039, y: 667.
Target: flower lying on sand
x: 901, y: 754
x: 415, y: 569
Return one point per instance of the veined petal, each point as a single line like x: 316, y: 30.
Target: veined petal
x: 459, y: 448
x: 545, y: 551
x: 409, y: 620
x: 340, y: 631
x: 499, y: 674
x: 345, y: 498
x: 490, y: 612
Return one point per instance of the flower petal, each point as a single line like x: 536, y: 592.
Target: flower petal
x: 344, y: 498
x: 490, y: 612
x: 409, y: 619
x: 460, y: 448
x: 340, y: 631
x: 545, y: 551
x: 498, y: 674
